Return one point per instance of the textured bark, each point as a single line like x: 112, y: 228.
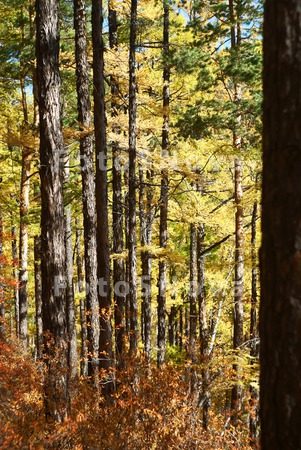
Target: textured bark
x: 118, y: 266
x: 238, y: 337
x: 15, y: 260
x: 132, y: 239
x: 88, y: 191
x: 103, y: 271
x: 146, y: 223
x: 38, y: 295
x: 23, y: 246
x: 52, y: 214
x: 82, y: 305
x: 164, y: 195
x: 192, y: 352
x: 70, y: 304
x: 204, y: 347
x: 254, y: 350
x: 280, y: 306
x: 172, y: 325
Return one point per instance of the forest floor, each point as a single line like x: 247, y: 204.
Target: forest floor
x: 153, y: 413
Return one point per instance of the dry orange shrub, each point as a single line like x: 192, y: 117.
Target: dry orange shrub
x: 150, y: 410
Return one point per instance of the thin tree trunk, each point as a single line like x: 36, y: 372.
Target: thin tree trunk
x: 164, y: 194
x: 146, y: 223
x: 118, y: 265
x: 70, y: 304
x: 103, y: 261
x: 52, y: 215
x: 193, y: 352
x: 23, y: 246
x: 254, y: 351
x: 238, y: 336
x: 203, y: 325
x: 15, y: 261
x: 90, y: 331
x: 38, y: 295
x: 82, y: 305
x: 132, y: 239
x: 172, y: 316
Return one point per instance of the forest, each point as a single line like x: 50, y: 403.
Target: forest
x: 130, y: 223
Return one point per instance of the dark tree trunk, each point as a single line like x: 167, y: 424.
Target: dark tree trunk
x: 205, y: 396
x: 88, y: 192
x: 16, y: 277
x: 52, y: 215
x: 103, y: 261
x: 280, y: 305
x: 118, y: 266
x: 172, y: 317
x: 238, y: 336
x: 132, y: 239
x: 70, y: 304
x: 38, y: 295
x: 164, y: 194
x: 181, y: 330
x: 23, y: 246
x: 193, y: 351
x: 146, y: 223
x: 82, y: 305
x: 254, y: 351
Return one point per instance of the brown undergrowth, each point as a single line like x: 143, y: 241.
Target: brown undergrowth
x: 150, y: 410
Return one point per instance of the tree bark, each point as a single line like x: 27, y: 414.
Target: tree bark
x: 164, y: 194
x: 88, y: 192
x: 82, y: 305
x: 146, y: 223
x: 56, y: 396
x: 38, y: 296
x: 204, y: 344
x: 118, y: 265
x: 280, y: 306
x: 70, y: 303
x: 132, y: 239
x: 254, y: 350
x: 15, y: 261
x: 103, y: 261
x: 23, y: 245
x: 193, y: 353
x: 238, y: 336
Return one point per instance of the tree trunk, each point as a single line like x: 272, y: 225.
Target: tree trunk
x: 88, y: 195
x: 146, y: 223
x: 280, y: 305
x: 238, y: 336
x: 118, y: 265
x: 193, y: 352
x: 52, y: 215
x: 23, y: 246
x: 203, y: 325
x: 103, y: 261
x: 38, y: 295
x: 70, y: 304
x: 15, y: 260
x: 164, y: 194
x: 82, y: 306
x: 132, y: 240
x: 254, y: 351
